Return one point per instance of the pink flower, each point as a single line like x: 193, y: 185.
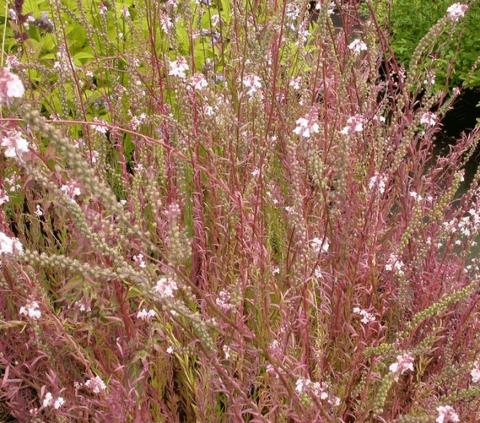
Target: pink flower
x: 199, y: 82
x: 95, y: 384
x: 166, y: 287
x: 9, y: 245
x: 178, y: 68
x: 447, y: 414
x: 306, y: 127
x: 366, y: 316
x: 252, y: 83
x: 3, y: 197
x: 71, y: 190
x: 354, y: 124
x: 10, y: 85
x: 475, y: 373
x: 403, y: 364
x: 357, y: 46
x: 456, y: 11
x: 428, y: 119
x: 15, y: 145
x: 145, y: 314
x: 31, y: 310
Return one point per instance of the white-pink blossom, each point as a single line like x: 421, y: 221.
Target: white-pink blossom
x: 320, y: 245
x: 10, y: 86
x: 31, y: 310
x: 252, y: 83
x: 47, y: 400
x: 357, y: 46
x: 199, y: 82
x: 394, y: 264
x: 366, y: 316
x: 95, y: 384
x: 10, y: 245
x: 145, y: 314
x: 178, y: 68
x: 306, y: 127
x: 3, y: 197
x: 71, y: 190
x: 456, y: 11
x: 166, y: 287
x: 138, y: 259
x: 429, y: 119
x: 58, y: 403
x: 403, y: 364
x: 379, y: 182
x: 446, y: 414
x: 15, y: 145
x: 100, y: 126
x: 354, y: 124
x: 475, y: 372
x: 223, y: 301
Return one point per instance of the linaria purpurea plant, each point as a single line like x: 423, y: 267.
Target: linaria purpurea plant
x: 221, y: 212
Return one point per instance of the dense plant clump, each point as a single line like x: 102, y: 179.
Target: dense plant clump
x: 220, y: 212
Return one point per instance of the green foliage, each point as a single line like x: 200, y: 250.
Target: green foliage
x: 410, y: 20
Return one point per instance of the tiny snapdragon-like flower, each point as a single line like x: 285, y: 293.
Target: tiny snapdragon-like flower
x: 38, y: 211
x: 215, y: 19
x: 138, y: 120
x: 10, y: 86
x: 138, y: 259
x: 95, y: 384
x: 83, y: 306
x: 145, y: 314
x: 223, y: 301
x: 252, y: 83
x: 403, y: 364
x: 166, y: 287
x: 71, y: 190
x: 475, y: 372
x: 12, y: 14
x: 456, y: 11
x: 320, y: 245
x: 354, y: 124
x: 320, y: 390
x: 58, y: 403
x: 357, y: 46
x: 394, y: 264
x: 102, y: 9
x: 366, y: 316
x: 3, y: 197
x: 10, y: 245
x: 295, y: 83
x: 447, y: 414
x: 166, y: 23
x: 328, y: 4
x: 379, y: 182
x: 178, y: 68
x: 227, y: 351
x: 100, y: 126
x: 31, y: 310
x: 12, y: 61
x: 199, y: 82
x: 47, y: 400
x: 306, y: 126
x: 429, y: 78
x: 292, y: 11
x: 15, y: 145
x: 429, y: 119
